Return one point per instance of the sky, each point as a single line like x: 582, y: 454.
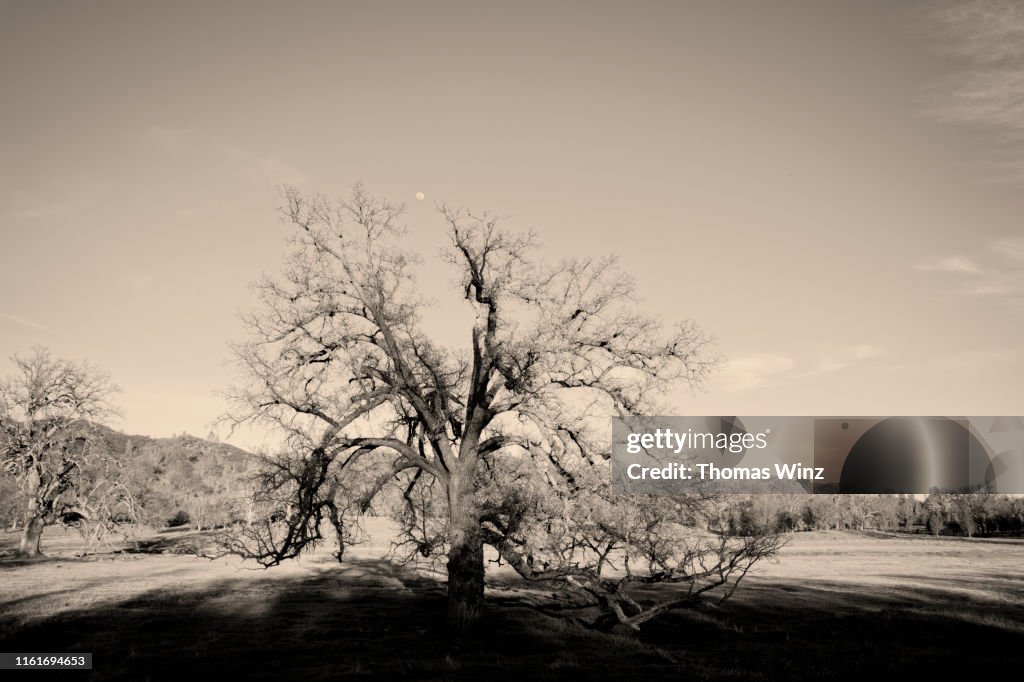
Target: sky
x: 834, y: 190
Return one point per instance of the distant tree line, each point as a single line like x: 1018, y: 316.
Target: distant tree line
x: 969, y: 515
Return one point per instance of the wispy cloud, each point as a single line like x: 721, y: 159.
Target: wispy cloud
x: 997, y: 270
x: 953, y: 264
x: 266, y: 168
x: 976, y: 359
x: 38, y: 211
x: 165, y: 138
x: 759, y: 370
x: 67, y: 195
x: 241, y: 162
x: 845, y: 356
x: 988, y: 89
x: 24, y: 322
x: 1010, y: 248
x: 753, y: 371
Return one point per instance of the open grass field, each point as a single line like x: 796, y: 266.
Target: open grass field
x: 835, y: 605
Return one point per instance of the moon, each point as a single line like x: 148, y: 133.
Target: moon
x: 420, y: 196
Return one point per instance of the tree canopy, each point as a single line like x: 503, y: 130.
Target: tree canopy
x: 49, y: 409
x: 502, y: 442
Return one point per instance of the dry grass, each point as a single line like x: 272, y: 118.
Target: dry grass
x: 835, y: 605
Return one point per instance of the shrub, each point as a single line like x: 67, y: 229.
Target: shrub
x: 180, y: 518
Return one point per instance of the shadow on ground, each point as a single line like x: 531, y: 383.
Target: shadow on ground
x: 371, y: 618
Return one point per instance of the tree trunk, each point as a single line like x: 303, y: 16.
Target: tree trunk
x: 30, y: 537
x: 465, y: 561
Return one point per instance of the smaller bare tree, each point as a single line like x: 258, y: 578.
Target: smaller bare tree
x: 49, y: 410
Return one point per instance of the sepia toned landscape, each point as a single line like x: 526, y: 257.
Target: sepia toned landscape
x: 323, y: 324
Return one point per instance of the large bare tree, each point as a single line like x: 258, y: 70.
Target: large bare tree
x: 49, y: 408
x: 503, y: 442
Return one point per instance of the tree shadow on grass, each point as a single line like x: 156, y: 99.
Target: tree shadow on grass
x: 820, y: 629
x: 361, y: 618
x: 372, y: 618
x: 11, y: 560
